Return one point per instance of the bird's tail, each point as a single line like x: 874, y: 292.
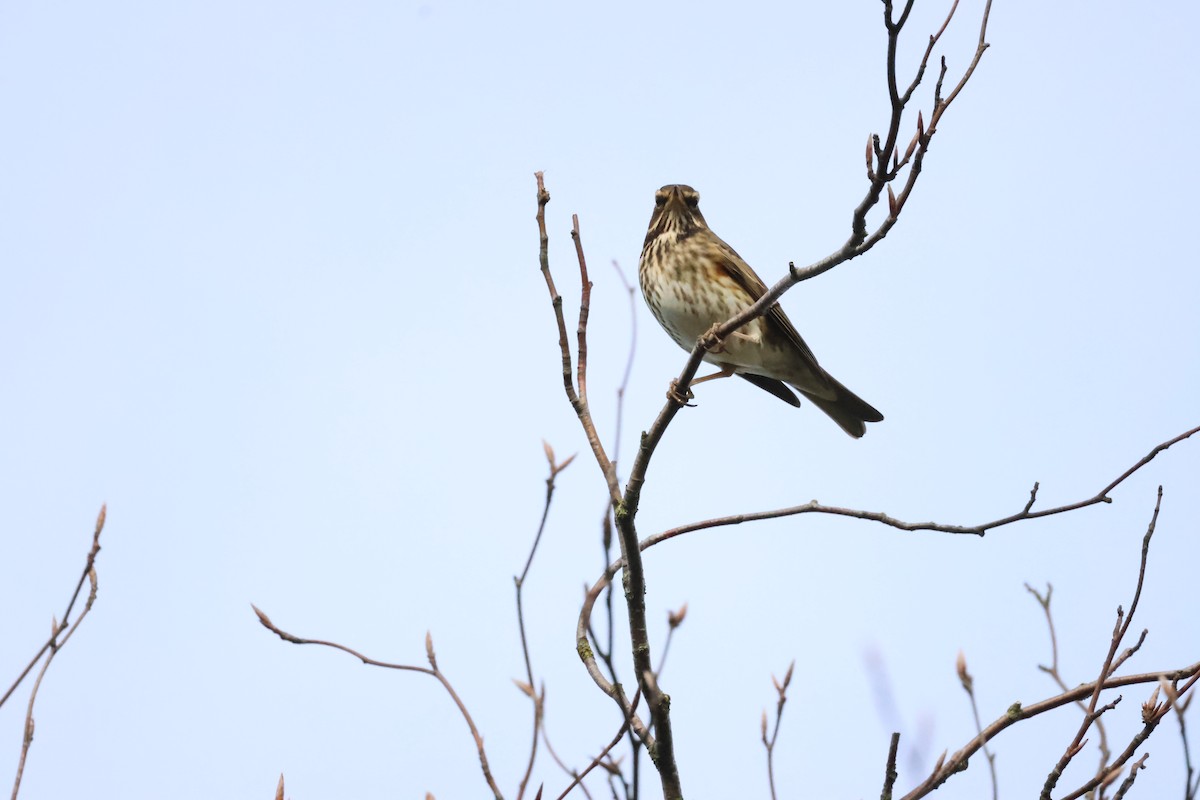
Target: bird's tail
x: 847, y: 409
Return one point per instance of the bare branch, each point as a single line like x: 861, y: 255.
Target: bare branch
x: 890, y: 774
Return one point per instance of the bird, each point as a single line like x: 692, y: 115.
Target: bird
x: 692, y: 280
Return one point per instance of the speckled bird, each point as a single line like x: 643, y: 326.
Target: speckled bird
x: 692, y: 280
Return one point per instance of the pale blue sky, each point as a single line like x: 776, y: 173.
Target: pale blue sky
x: 270, y: 289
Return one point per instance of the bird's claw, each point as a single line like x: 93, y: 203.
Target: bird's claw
x: 718, y: 344
x: 680, y: 400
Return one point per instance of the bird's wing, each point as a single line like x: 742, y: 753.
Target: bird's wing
x: 741, y: 272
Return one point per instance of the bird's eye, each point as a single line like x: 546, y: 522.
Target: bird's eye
x: 692, y: 199
x: 660, y: 199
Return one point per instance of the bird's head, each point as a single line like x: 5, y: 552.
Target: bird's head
x: 676, y: 210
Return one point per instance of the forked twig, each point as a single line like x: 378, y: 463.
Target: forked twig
x: 769, y: 741
x: 64, y: 629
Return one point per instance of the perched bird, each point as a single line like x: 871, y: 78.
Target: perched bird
x: 692, y: 281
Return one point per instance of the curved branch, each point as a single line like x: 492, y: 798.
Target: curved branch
x: 435, y: 672
x: 979, y: 529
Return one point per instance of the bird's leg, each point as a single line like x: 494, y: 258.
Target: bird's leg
x: 725, y: 372
x: 718, y: 344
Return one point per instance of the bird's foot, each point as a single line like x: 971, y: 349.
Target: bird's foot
x: 674, y: 395
x: 712, y: 342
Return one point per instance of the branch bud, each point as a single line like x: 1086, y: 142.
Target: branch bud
x: 429, y: 650
x: 964, y: 677
x: 1152, y: 709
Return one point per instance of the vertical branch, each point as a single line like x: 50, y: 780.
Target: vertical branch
x: 968, y: 684
x: 769, y: 742
x: 890, y: 774
x: 585, y: 304
x: 529, y: 688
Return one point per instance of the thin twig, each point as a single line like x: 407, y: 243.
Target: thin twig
x: 1190, y: 789
x: 769, y: 742
x: 968, y: 684
x: 431, y: 670
x: 629, y: 290
x: 519, y: 582
x: 66, y: 630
